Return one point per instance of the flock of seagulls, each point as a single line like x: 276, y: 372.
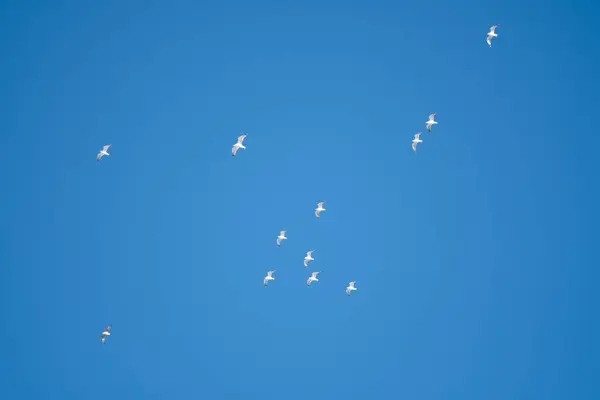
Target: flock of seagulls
x: 313, y: 277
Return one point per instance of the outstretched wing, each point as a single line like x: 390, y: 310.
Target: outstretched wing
x: 414, y: 146
x: 431, y: 117
x: 314, y: 274
x: 493, y: 28
x: 99, y: 156
x: 234, y: 150
x: 241, y: 139
x: 106, y: 147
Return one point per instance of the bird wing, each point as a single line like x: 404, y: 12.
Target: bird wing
x: 348, y: 291
x: 270, y: 274
x: 99, y: 156
x: 428, y: 126
x: 107, y: 328
x: 309, y: 281
x: 320, y: 204
x: 106, y: 147
x: 431, y: 117
x: 278, y: 241
x: 309, y: 253
x: 418, y: 135
x: 282, y: 233
x: 305, y: 263
x: 234, y: 150
x: 493, y: 28
x: 241, y: 138
x: 317, y: 211
x: 314, y: 274
x: 352, y: 283
x: 489, y: 41
x: 414, y: 146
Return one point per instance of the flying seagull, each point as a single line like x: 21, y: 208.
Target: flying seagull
x: 239, y: 144
x: 308, y: 258
x: 105, y: 334
x: 415, y: 141
x: 431, y: 122
x: 281, y: 237
x: 269, y: 277
x: 313, y: 278
x: 350, y: 288
x: 319, y: 209
x: 491, y: 34
x: 103, y: 152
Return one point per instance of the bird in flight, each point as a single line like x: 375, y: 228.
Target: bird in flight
x: 430, y: 122
x: 280, y: 238
x: 269, y: 277
x: 103, y: 152
x: 491, y: 34
x: 239, y: 144
x: 312, y: 278
x: 350, y: 288
x: 416, y: 141
x: 308, y: 258
x: 105, y: 334
x: 319, y: 209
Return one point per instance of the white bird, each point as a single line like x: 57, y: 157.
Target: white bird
x: 430, y: 122
x: 313, y: 278
x: 491, y: 34
x: 105, y: 334
x: 103, y: 152
x: 308, y: 258
x: 350, y: 288
x: 319, y: 208
x: 281, y: 237
x: 415, y: 141
x: 269, y: 277
x: 239, y: 144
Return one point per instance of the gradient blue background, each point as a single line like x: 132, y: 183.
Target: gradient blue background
x: 473, y: 257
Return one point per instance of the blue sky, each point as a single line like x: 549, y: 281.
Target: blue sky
x: 473, y: 257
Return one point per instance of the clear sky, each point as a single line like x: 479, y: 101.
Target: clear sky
x: 473, y: 257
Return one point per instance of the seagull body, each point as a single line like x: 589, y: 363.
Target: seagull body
x: 416, y: 141
x: 308, y: 258
x: 312, y: 278
x: 103, y: 152
x: 269, y: 277
x: 281, y: 237
x: 430, y: 122
x: 239, y: 144
x: 350, y: 288
x: 105, y: 334
x: 491, y: 34
x: 319, y: 209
